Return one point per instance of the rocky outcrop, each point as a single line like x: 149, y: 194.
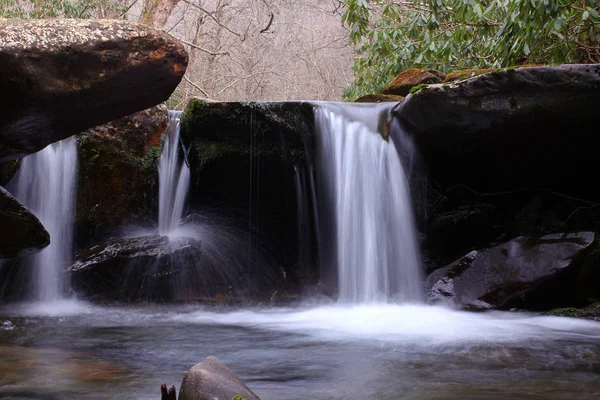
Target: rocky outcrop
x: 410, y: 78
x: 118, y: 174
x: 61, y: 77
x: 22, y: 233
x: 524, y: 272
x: 509, y: 129
x: 210, y: 379
x: 219, y: 129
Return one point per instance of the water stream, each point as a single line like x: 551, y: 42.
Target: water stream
x: 173, y: 179
x: 46, y: 184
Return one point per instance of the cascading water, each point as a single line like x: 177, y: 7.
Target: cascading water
x: 46, y: 184
x: 173, y: 179
x: 366, y: 203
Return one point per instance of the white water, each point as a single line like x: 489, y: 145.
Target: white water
x: 46, y: 184
x: 366, y: 204
x: 173, y: 179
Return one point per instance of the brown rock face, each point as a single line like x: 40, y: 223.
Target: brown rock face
x: 22, y: 233
x: 61, y: 77
x: 118, y: 175
x: 412, y: 77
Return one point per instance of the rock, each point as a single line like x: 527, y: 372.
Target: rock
x: 402, y: 84
x: 219, y: 129
x: 62, y: 76
x: 503, y: 276
x: 466, y: 74
x: 22, y: 233
x: 510, y: 129
x: 210, y: 379
x: 118, y: 174
x: 141, y: 268
x: 379, y: 98
x: 248, y: 159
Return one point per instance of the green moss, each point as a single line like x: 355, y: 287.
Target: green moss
x: 150, y: 158
x: 418, y: 87
x: 565, y: 312
x: 238, y: 397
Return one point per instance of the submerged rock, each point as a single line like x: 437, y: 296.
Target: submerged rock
x: 513, y: 274
x: 528, y: 127
x: 210, y: 379
x: 61, y: 76
x: 22, y: 233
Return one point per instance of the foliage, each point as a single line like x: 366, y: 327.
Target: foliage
x: 59, y: 8
x: 238, y: 397
x: 391, y: 35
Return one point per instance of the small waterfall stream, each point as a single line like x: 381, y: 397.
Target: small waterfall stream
x: 366, y: 206
x: 46, y: 184
x: 173, y: 179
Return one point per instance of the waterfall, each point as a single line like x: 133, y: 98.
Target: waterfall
x: 173, y: 179
x: 365, y: 206
x: 46, y: 184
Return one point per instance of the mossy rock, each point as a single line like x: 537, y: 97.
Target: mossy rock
x: 379, y: 98
x: 411, y: 77
x: 466, y: 74
x: 247, y: 128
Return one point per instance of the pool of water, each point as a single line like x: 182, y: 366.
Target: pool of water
x: 81, y: 351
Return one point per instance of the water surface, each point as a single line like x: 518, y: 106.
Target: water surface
x: 80, y: 351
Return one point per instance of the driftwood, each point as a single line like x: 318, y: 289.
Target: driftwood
x: 168, y: 395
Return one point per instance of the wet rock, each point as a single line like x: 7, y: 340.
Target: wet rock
x: 210, y: 379
x: 510, y: 129
x: 118, y: 174
x: 63, y: 76
x: 22, y: 233
x: 379, y: 98
x: 411, y: 77
x: 147, y: 267
x: 512, y: 274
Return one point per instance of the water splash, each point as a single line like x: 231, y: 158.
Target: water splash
x: 366, y: 200
x: 173, y: 179
x: 46, y: 184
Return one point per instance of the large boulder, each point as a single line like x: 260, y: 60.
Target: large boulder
x: 210, y: 379
x: 22, y: 233
x: 118, y: 174
x: 59, y: 77
x: 530, y: 127
x: 524, y: 272
x: 407, y: 79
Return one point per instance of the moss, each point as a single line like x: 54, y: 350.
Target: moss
x: 512, y: 101
x: 150, y: 159
x: 565, y: 312
x: 418, y: 87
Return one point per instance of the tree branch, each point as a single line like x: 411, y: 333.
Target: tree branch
x: 242, y: 38
x: 212, y: 53
x: 196, y: 86
x: 269, y: 24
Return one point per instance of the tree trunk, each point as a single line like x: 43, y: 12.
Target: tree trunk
x: 156, y: 12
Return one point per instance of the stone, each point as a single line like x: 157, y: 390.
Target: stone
x: 529, y: 127
x: 379, y: 98
x: 140, y: 268
x: 210, y: 379
x: 118, y: 174
x: 411, y: 77
x: 22, y: 232
x: 59, y: 77
x: 466, y: 74
x: 503, y: 276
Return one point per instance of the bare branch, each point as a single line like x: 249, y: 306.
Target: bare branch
x: 127, y: 9
x: 212, y: 53
x: 196, y: 86
x: 269, y: 24
x: 211, y: 16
